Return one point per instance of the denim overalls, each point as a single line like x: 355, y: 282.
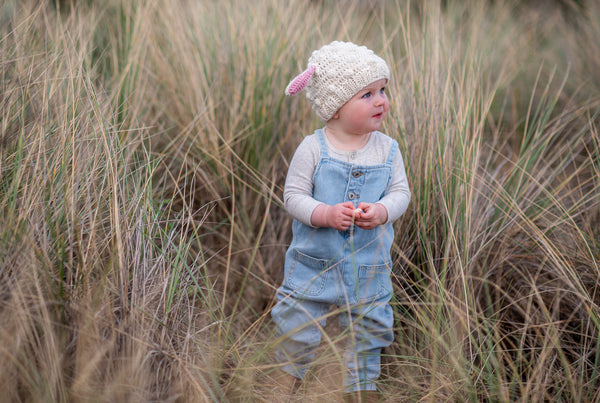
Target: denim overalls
x: 350, y: 269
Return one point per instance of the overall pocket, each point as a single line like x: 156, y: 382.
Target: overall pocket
x: 307, y: 275
x: 374, y: 282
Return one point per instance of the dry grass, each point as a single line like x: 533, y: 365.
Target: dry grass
x: 144, y: 147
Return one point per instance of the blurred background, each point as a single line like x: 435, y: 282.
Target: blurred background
x: 144, y: 146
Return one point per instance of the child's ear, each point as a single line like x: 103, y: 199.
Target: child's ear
x: 335, y: 116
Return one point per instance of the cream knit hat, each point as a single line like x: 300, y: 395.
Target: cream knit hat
x: 335, y: 73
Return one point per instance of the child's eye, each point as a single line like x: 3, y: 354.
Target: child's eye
x: 366, y: 95
x: 382, y: 90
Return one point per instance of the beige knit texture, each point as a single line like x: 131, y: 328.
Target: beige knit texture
x: 342, y: 69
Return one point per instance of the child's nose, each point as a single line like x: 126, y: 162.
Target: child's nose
x: 380, y: 99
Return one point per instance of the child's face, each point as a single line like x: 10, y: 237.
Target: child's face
x: 365, y: 111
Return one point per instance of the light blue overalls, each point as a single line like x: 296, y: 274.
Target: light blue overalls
x: 350, y: 269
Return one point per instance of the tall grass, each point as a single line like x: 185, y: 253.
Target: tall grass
x: 143, y: 152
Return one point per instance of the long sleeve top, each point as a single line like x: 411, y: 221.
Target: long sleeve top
x: 297, y: 195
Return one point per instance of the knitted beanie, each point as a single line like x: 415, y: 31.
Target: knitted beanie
x: 335, y: 73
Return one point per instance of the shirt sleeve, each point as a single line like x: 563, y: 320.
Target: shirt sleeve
x: 398, y: 194
x: 298, y: 198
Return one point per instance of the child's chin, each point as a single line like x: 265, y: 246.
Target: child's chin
x: 377, y: 125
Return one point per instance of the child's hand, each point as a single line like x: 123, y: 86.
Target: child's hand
x: 338, y: 216
x: 373, y: 214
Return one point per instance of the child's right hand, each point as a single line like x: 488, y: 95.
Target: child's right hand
x: 339, y: 216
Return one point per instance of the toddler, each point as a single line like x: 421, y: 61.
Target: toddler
x: 345, y: 186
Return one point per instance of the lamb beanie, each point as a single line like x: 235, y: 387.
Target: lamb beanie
x: 335, y: 73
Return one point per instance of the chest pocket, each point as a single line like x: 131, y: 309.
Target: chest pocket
x: 337, y: 182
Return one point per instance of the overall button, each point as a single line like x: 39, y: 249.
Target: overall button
x: 352, y: 195
x: 356, y: 174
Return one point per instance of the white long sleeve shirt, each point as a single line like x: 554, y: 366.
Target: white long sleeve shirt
x: 297, y: 195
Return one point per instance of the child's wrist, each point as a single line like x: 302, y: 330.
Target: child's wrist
x: 382, y: 212
x: 320, y: 216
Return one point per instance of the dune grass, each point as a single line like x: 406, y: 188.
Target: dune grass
x: 144, y: 146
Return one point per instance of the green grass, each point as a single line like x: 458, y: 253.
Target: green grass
x: 143, y: 151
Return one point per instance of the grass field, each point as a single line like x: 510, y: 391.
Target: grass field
x: 144, y: 147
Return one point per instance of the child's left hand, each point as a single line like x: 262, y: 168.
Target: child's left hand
x: 372, y: 215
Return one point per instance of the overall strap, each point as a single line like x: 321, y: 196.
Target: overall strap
x: 392, y: 153
x: 322, y: 143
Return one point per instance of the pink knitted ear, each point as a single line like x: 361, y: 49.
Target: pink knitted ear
x: 300, y: 81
